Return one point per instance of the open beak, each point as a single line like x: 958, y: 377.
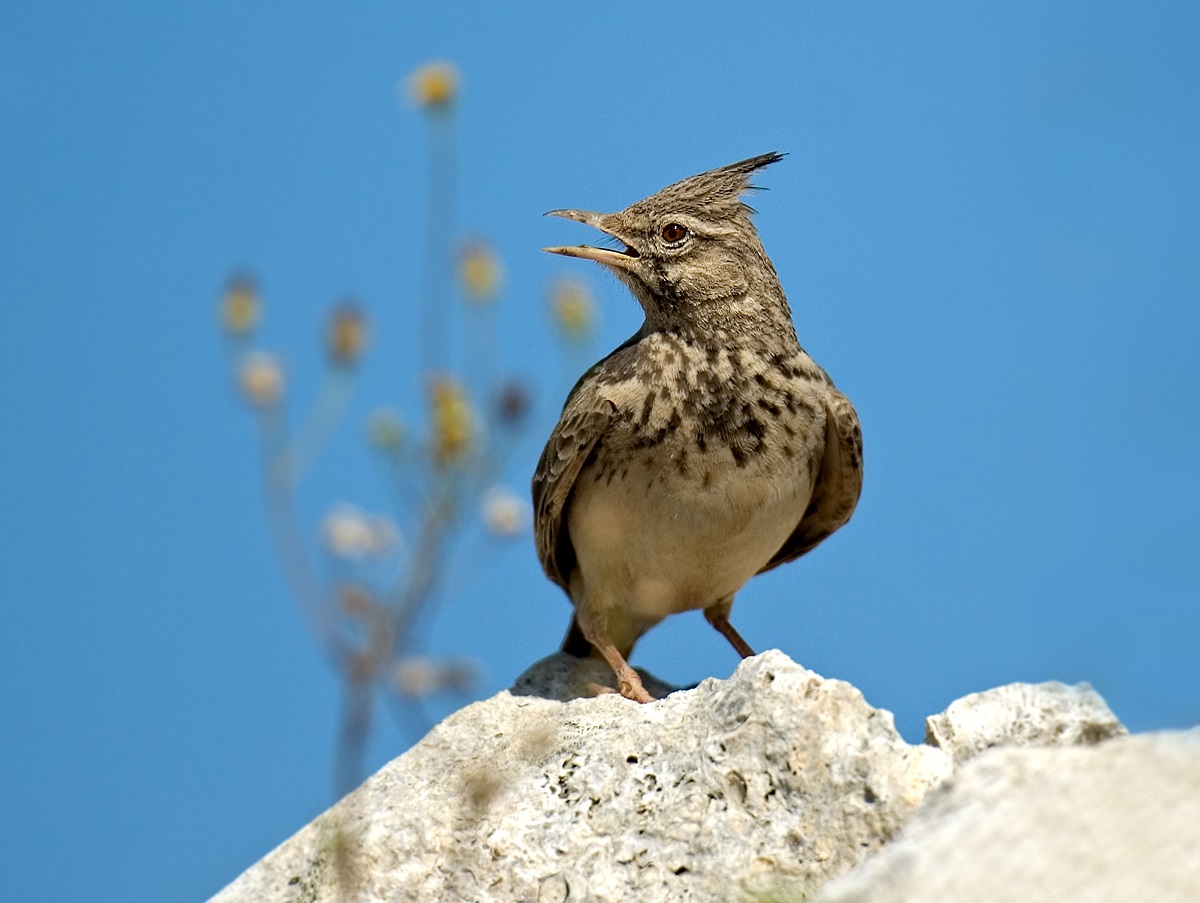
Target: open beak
x: 606, y: 224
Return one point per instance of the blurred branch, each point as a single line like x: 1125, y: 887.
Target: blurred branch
x: 367, y: 582
x: 434, y: 89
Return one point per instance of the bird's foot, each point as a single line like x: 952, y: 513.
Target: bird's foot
x: 631, y: 688
x: 636, y: 692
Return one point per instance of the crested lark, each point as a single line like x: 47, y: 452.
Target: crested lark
x: 707, y: 448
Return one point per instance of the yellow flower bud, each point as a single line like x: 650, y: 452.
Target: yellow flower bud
x: 240, y: 306
x: 479, y: 270
x: 453, y: 421
x: 574, y: 310
x: 346, y: 334
x: 434, y: 85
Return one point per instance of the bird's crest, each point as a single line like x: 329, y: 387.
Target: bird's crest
x: 718, y: 191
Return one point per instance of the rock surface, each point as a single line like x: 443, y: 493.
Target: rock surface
x: 1113, y: 824
x: 774, y: 780
x: 761, y: 787
x: 1049, y: 714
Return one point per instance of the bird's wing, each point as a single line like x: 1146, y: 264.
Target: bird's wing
x: 837, y: 485
x: 584, y: 420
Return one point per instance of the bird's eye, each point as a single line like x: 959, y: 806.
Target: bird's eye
x: 673, y: 232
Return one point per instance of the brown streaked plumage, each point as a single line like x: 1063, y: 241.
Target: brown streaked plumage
x: 707, y: 448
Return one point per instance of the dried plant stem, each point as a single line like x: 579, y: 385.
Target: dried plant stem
x: 355, y: 729
x: 278, y: 484
x: 439, y: 241
x: 323, y: 419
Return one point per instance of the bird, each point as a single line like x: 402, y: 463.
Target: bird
x: 707, y: 448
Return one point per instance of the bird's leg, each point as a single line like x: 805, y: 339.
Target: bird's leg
x: 629, y: 684
x: 718, y: 615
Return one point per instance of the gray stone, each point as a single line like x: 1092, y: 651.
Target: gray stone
x: 1047, y: 714
x: 565, y: 677
x: 1109, y: 824
x: 767, y: 784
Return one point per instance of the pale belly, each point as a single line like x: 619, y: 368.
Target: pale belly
x: 657, y: 541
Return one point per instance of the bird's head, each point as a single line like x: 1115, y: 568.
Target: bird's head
x: 690, y: 253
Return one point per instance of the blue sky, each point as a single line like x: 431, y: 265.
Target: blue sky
x: 986, y: 224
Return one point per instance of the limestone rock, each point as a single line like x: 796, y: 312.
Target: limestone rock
x: 1048, y: 714
x: 1110, y: 824
x: 769, y: 783
x: 762, y: 787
